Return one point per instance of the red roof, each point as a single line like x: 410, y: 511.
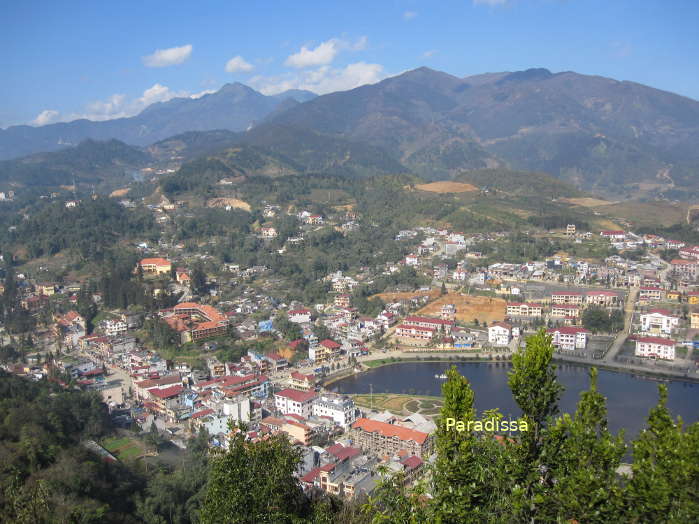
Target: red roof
x: 301, y: 376
x: 416, y: 328
x: 296, y: 395
x: 311, y: 476
x: 566, y: 294
x: 650, y: 288
x: 390, y: 430
x: 430, y: 320
x: 656, y: 340
x: 201, y: 413
x: 170, y: 392
x: 564, y: 306
x: 155, y: 261
x: 664, y: 312
x: 502, y: 325
x: 299, y: 312
x: 330, y: 344
x: 682, y: 262
x: 412, y: 462
x: 603, y: 293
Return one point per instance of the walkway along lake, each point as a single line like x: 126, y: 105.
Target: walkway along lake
x: 629, y: 397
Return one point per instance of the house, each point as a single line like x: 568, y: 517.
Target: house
x: 690, y: 252
x: 655, y: 347
x: 34, y: 303
x: 342, y: 301
x: 523, y: 309
x: 339, y: 408
x: 500, y: 333
x: 650, y: 294
x: 568, y: 337
x: 462, y: 339
x: 302, y: 382
x: 602, y: 298
x: 294, y: 402
x: 324, y: 351
x: 693, y: 297
x: 382, y: 438
x: 567, y: 297
x: 183, y: 278
x: 448, y: 312
x: 659, y: 322
x: 297, y: 432
x: 195, y: 321
x: 155, y: 266
x: 694, y: 319
x: 673, y: 295
x: 613, y: 235
x: 412, y: 260
x: 565, y: 311
x: 47, y: 289
x: 299, y: 316
x: 268, y: 232
x: 276, y: 361
x: 114, y: 328
x: 682, y: 268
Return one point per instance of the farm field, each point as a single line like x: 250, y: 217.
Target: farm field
x: 468, y: 307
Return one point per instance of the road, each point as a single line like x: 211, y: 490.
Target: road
x: 628, y: 318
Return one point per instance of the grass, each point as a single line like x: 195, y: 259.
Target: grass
x: 114, y: 443
x: 124, y: 448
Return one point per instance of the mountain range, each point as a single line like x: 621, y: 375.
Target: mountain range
x: 234, y: 107
x: 598, y: 133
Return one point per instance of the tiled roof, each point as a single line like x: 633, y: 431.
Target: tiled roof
x: 567, y: 330
x: 202, y: 413
x: 413, y: 320
x: 330, y: 344
x: 155, y: 261
x: 656, y: 340
x: 390, y: 430
x: 295, y: 395
x: 412, y: 462
x: 172, y: 391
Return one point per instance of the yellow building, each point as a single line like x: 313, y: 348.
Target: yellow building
x: 155, y: 266
x: 694, y: 319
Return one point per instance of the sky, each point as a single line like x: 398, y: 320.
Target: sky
x: 101, y: 60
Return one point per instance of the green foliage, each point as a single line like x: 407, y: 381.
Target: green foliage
x: 598, y: 319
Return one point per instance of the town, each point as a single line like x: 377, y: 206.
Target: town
x: 220, y: 351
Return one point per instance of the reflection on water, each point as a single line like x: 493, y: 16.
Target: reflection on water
x: 629, y: 397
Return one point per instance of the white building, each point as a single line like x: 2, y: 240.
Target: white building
x: 239, y: 409
x: 294, y: 402
x: 300, y: 316
x: 656, y: 347
x: 114, y: 328
x: 337, y: 407
x: 658, y: 322
x: 568, y: 337
x: 500, y: 334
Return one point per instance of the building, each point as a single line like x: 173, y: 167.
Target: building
x: 613, y: 235
x: 602, y: 298
x: 500, y: 334
x: 339, y: 408
x: 568, y: 337
x: 659, y: 322
x: 650, y: 294
x: 522, y: 309
x: 269, y: 232
x: 302, y: 382
x: 448, y: 312
x: 690, y: 252
x: 570, y: 230
x: 694, y: 319
x: 388, y: 439
x: 155, y: 266
x: 565, y: 311
x: 342, y: 300
x: 655, y: 347
x: 299, y: 316
x: 115, y: 328
x: 567, y: 297
x: 687, y: 269
x: 693, y: 297
x: 294, y: 402
x: 196, y: 322
x: 437, y: 324
x: 323, y: 352
x: 414, y: 335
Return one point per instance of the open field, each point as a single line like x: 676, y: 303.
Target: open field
x: 647, y: 213
x: 223, y: 202
x: 468, y: 307
x: 119, y: 192
x: 123, y: 447
x: 400, y: 404
x: 588, y: 202
x: 447, y: 187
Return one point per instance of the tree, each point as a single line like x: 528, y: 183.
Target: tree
x: 536, y: 391
x: 198, y: 280
x: 254, y: 482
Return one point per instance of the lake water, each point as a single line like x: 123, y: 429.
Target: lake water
x: 629, y: 397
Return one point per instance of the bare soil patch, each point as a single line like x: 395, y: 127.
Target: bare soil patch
x: 119, y: 192
x: 446, y: 186
x: 587, y: 202
x: 468, y: 307
x: 223, y: 202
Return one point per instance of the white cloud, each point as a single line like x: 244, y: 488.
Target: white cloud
x: 168, y: 57
x: 324, y: 53
x: 322, y: 80
x: 116, y: 106
x: 429, y: 53
x: 238, y: 64
x: 409, y: 15
x: 202, y: 93
x: 490, y: 2
x: 47, y: 116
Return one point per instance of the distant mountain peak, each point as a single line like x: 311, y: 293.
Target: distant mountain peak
x: 528, y: 75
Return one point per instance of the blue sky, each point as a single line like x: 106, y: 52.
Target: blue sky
x: 64, y: 60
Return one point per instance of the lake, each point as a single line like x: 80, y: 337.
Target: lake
x: 629, y: 397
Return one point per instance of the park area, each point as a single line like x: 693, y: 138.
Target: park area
x: 124, y: 448
x: 400, y: 404
x: 468, y: 308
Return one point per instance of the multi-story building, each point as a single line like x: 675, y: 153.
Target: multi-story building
x: 568, y: 337
x: 567, y: 297
x: 295, y: 402
x: 337, y: 407
x: 658, y: 322
x: 565, y: 311
x: 324, y: 351
x: 650, y: 294
x: 602, y: 298
x: 682, y: 268
x: 196, y: 322
x: 302, y: 382
x: 655, y: 347
x: 694, y: 319
x: 114, y: 328
x: 437, y: 324
x: 388, y: 439
x: 500, y: 333
x: 524, y: 309
x: 155, y: 266
x: 414, y: 335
